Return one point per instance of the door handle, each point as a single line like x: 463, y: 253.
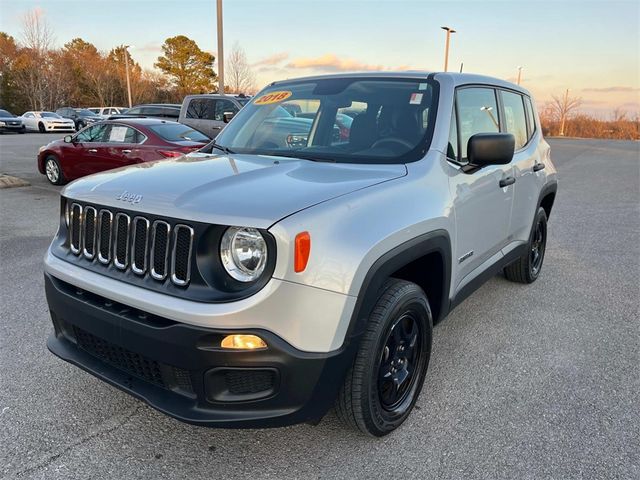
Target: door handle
x: 505, y: 182
x: 92, y: 150
x: 126, y: 151
x: 538, y: 166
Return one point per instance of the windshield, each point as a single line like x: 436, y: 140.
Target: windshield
x: 83, y: 112
x: 176, y: 132
x: 5, y: 114
x: 49, y: 115
x: 350, y: 120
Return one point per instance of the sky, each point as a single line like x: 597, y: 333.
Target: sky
x: 590, y: 47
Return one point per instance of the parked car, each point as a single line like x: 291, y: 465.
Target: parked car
x: 47, y: 122
x: 256, y: 284
x: 107, y: 111
x: 81, y: 116
x: 165, y: 111
x: 10, y: 123
x: 206, y: 113
x: 115, y: 143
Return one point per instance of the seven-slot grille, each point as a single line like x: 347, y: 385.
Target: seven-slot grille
x: 145, y: 247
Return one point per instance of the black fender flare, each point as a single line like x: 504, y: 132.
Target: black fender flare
x: 551, y: 187
x: 437, y: 241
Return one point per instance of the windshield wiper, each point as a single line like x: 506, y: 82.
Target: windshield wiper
x: 222, y: 148
x: 301, y: 157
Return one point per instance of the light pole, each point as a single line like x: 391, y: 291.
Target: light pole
x: 220, y: 50
x: 126, y: 68
x: 449, y: 31
x: 519, y: 74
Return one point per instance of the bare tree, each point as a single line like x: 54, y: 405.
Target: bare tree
x: 564, y: 107
x: 239, y: 76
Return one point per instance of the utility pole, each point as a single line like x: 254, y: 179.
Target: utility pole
x: 220, y: 50
x: 519, y: 74
x: 126, y: 68
x: 449, y: 31
x: 564, y: 112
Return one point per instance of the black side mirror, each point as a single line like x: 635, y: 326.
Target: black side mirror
x: 490, y: 149
x: 227, y: 116
x: 68, y: 139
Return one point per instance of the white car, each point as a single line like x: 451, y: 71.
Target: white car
x: 47, y: 122
x: 106, y: 111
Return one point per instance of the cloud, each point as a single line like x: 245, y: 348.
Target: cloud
x: 149, y: 47
x: 612, y: 89
x: 274, y: 59
x: 332, y: 63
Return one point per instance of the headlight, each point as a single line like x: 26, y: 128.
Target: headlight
x: 2, y: 124
x: 243, y: 252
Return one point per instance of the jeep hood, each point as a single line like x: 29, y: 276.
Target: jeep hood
x: 250, y: 190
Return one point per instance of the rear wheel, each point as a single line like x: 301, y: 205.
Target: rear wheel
x: 386, y: 378
x: 527, y: 268
x: 53, y: 171
x: 41, y: 128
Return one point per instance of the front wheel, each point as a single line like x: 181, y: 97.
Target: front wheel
x: 386, y: 377
x: 527, y: 268
x: 53, y: 171
x: 41, y: 128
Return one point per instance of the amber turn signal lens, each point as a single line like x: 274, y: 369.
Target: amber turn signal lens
x: 243, y: 342
x: 302, y: 251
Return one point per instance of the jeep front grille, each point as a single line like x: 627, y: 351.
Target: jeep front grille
x: 157, y: 248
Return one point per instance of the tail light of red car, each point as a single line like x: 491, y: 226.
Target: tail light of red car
x: 178, y: 152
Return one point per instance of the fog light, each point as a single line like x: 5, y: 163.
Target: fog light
x: 243, y: 342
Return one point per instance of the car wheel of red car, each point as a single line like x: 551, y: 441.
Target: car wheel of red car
x: 53, y: 171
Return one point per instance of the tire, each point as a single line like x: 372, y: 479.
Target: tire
x: 367, y: 400
x: 527, y: 268
x: 41, y: 128
x: 52, y: 170
x: 22, y: 130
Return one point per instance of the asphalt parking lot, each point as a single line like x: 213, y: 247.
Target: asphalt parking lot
x: 537, y: 381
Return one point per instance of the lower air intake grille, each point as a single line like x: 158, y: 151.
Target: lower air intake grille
x: 133, y: 363
x: 242, y: 382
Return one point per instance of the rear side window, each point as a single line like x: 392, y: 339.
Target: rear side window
x: 530, y: 117
x: 515, y: 120
x: 124, y: 134
x: 477, y: 113
x: 201, y: 108
x: 176, y: 132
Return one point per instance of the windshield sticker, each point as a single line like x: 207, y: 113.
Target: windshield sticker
x: 422, y: 86
x: 416, y: 99
x: 273, y: 97
x: 118, y: 134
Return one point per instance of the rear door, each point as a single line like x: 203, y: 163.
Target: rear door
x: 122, y: 147
x: 482, y: 206
x: 520, y: 121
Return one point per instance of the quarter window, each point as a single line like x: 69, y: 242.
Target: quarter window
x: 452, y: 147
x: 530, y: 117
x: 514, y: 117
x: 478, y: 113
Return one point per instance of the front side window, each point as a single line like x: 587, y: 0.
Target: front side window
x: 388, y: 120
x: 223, y: 106
x: 134, y: 111
x: 515, y: 120
x: 94, y: 134
x: 477, y: 113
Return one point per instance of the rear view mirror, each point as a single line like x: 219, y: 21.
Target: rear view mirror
x: 68, y: 139
x: 490, y: 149
x: 227, y: 116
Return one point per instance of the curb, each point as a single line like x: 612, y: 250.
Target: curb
x: 7, y: 181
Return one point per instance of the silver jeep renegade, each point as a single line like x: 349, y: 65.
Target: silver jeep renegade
x: 300, y: 260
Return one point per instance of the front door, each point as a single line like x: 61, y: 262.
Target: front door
x: 481, y: 201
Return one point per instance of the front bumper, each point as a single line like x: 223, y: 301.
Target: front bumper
x: 11, y: 128
x: 59, y: 128
x: 178, y: 369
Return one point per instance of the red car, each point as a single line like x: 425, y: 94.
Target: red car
x: 116, y: 143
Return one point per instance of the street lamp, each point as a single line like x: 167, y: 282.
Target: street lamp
x: 519, y: 74
x: 220, y: 50
x: 449, y: 31
x: 126, y: 67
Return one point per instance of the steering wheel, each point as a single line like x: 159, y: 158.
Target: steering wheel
x: 396, y: 140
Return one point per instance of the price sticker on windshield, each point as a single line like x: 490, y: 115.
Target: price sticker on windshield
x: 273, y: 97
